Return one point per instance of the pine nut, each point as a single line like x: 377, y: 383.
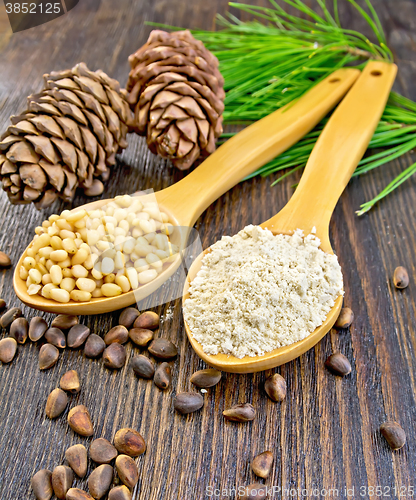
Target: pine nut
x: 46, y: 278
x: 132, y: 277
x: 104, y: 252
x: 42, y: 241
x: 147, y: 276
x: 63, y: 224
x: 59, y: 255
x: 72, y: 217
x: 47, y: 289
x: 79, y: 271
x: 56, y: 274
x: 65, y: 263
x: 128, y: 246
x: 36, y: 276
x: 80, y: 296
x: 123, y: 282
x: 119, y: 261
x: 107, y: 265
x: 29, y: 263
x: 46, y: 252
x: 86, y: 284
x: 69, y: 245
x: 68, y: 284
x: 23, y: 273
x: 111, y: 290
x: 66, y: 272
x: 64, y: 234
x: 80, y: 257
x: 141, y: 265
x: 56, y: 243
x: 59, y: 295
x: 110, y: 278
x: 33, y: 289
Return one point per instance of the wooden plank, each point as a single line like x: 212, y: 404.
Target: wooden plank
x: 325, y: 434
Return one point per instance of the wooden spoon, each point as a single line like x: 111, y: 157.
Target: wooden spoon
x: 187, y: 199
x: 331, y: 164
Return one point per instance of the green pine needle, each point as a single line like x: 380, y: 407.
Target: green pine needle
x: 268, y: 62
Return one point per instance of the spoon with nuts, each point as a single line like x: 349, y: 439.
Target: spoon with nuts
x: 109, y: 254
x: 331, y: 164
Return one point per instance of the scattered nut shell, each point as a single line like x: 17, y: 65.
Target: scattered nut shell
x: 62, y: 479
x: 100, y: 481
x: 64, y: 321
x: 56, y: 337
x: 42, y: 484
x: 2, y: 304
x: 37, y: 328
x: 127, y: 470
x: 70, y: 382
x: 48, y: 356
x: 77, y: 335
x: 345, y: 318
x: 80, y: 421
x: 128, y: 316
x: 143, y: 366
x: 338, y: 364
x: 262, y: 464
x: 77, y: 494
x: 240, y: 413
x: 8, y: 348
x: 77, y: 459
x: 118, y: 334
x: 9, y: 316
x: 56, y: 403
x: 129, y: 442
x: 275, y: 387
x: 119, y: 493
x: 163, y: 376
x: 148, y: 320
x: 163, y: 349
x: 188, y: 402
x: 401, y: 277
x: 4, y: 260
x: 19, y: 330
x: 94, y: 346
x: 141, y: 336
x: 206, y: 378
x: 393, y: 434
x: 102, y: 451
x: 114, y: 356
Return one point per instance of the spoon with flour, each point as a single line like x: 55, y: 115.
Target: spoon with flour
x: 185, y: 201
x: 331, y: 164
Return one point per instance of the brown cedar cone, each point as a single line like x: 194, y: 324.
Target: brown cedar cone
x: 67, y: 137
x: 176, y: 92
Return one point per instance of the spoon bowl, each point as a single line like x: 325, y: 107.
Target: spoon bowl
x: 331, y: 164
x: 185, y: 201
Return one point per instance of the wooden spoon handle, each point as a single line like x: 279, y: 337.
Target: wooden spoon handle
x: 337, y: 153
x: 253, y: 147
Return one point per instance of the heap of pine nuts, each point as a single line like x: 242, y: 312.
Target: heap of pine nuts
x: 81, y: 255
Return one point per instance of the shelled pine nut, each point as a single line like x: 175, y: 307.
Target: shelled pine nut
x: 105, y: 252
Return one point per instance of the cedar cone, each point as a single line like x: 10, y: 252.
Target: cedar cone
x: 176, y: 92
x: 67, y: 137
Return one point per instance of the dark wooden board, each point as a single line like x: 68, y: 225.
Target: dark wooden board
x: 325, y: 435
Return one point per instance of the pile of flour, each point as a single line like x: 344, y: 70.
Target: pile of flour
x: 256, y: 292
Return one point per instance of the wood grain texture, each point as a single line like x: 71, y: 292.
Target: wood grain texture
x: 325, y: 434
